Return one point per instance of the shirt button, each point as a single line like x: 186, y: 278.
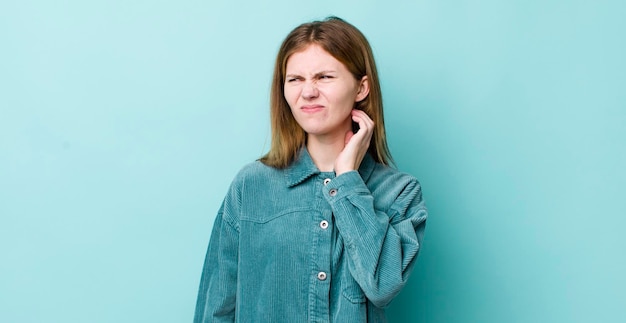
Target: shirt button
x: 321, y: 275
x: 326, y: 181
x: 332, y: 192
x: 324, y: 224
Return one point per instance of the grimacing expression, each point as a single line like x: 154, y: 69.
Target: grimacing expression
x: 321, y: 92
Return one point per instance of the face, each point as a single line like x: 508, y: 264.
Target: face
x: 321, y: 92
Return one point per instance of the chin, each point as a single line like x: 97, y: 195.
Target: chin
x: 321, y: 130
x: 314, y: 132
x: 313, y: 129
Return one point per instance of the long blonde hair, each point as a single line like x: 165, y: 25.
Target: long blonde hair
x: 349, y: 46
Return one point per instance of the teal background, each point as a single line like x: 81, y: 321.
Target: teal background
x: 123, y: 122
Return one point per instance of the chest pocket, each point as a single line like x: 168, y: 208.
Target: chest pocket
x: 276, y: 239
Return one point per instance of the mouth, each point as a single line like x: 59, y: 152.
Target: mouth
x: 312, y: 108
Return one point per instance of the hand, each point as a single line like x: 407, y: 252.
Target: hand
x: 356, y: 144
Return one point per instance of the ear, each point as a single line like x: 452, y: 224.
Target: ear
x: 364, y: 89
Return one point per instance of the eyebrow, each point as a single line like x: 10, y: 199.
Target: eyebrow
x: 324, y: 72
x: 315, y: 75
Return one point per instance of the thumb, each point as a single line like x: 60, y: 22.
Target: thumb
x: 348, y: 136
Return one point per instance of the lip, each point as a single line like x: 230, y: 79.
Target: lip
x: 311, y: 108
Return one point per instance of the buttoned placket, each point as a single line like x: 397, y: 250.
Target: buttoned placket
x: 320, y: 311
x: 324, y: 223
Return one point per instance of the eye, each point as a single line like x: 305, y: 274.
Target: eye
x: 293, y: 79
x: 326, y: 77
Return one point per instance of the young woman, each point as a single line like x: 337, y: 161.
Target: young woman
x: 320, y: 229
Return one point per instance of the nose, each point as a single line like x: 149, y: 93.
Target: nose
x: 309, y: 91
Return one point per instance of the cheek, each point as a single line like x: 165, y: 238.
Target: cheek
x: 345, y: 98
x: 290, y: 95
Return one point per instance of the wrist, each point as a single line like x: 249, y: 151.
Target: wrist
x: 339, y: 170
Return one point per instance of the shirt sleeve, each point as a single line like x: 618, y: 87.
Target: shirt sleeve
x: 381, y: 245
x: 217, y: 293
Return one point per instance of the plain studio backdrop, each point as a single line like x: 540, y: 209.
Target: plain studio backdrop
x: 122, y: 124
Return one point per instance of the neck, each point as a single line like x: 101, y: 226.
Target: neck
x: 325, y: 149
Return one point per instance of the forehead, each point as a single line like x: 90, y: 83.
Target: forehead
x: 312, y: 58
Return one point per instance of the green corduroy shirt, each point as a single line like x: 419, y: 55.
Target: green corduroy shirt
x: 300, y: 245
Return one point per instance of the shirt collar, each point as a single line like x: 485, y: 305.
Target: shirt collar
x: 303, y: 167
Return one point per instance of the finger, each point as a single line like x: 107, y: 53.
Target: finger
x: 364, y: 123
x: 363, y: 127
x: 360, y: 117
x: 348, y: 136
x: 361, y: 113
x: 363, y: 116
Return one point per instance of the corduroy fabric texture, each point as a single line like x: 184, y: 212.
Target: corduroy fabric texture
x: 300, y: 245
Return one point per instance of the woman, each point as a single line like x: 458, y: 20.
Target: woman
x: 320, y: 229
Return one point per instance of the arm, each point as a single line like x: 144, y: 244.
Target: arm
x: 217, y: 292
x: 381, y: 245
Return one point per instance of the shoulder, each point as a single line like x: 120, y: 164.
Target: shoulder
x: 247, y: 184
x: 396, y: 191
x: 256, y: 173
x: 390, y: 177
